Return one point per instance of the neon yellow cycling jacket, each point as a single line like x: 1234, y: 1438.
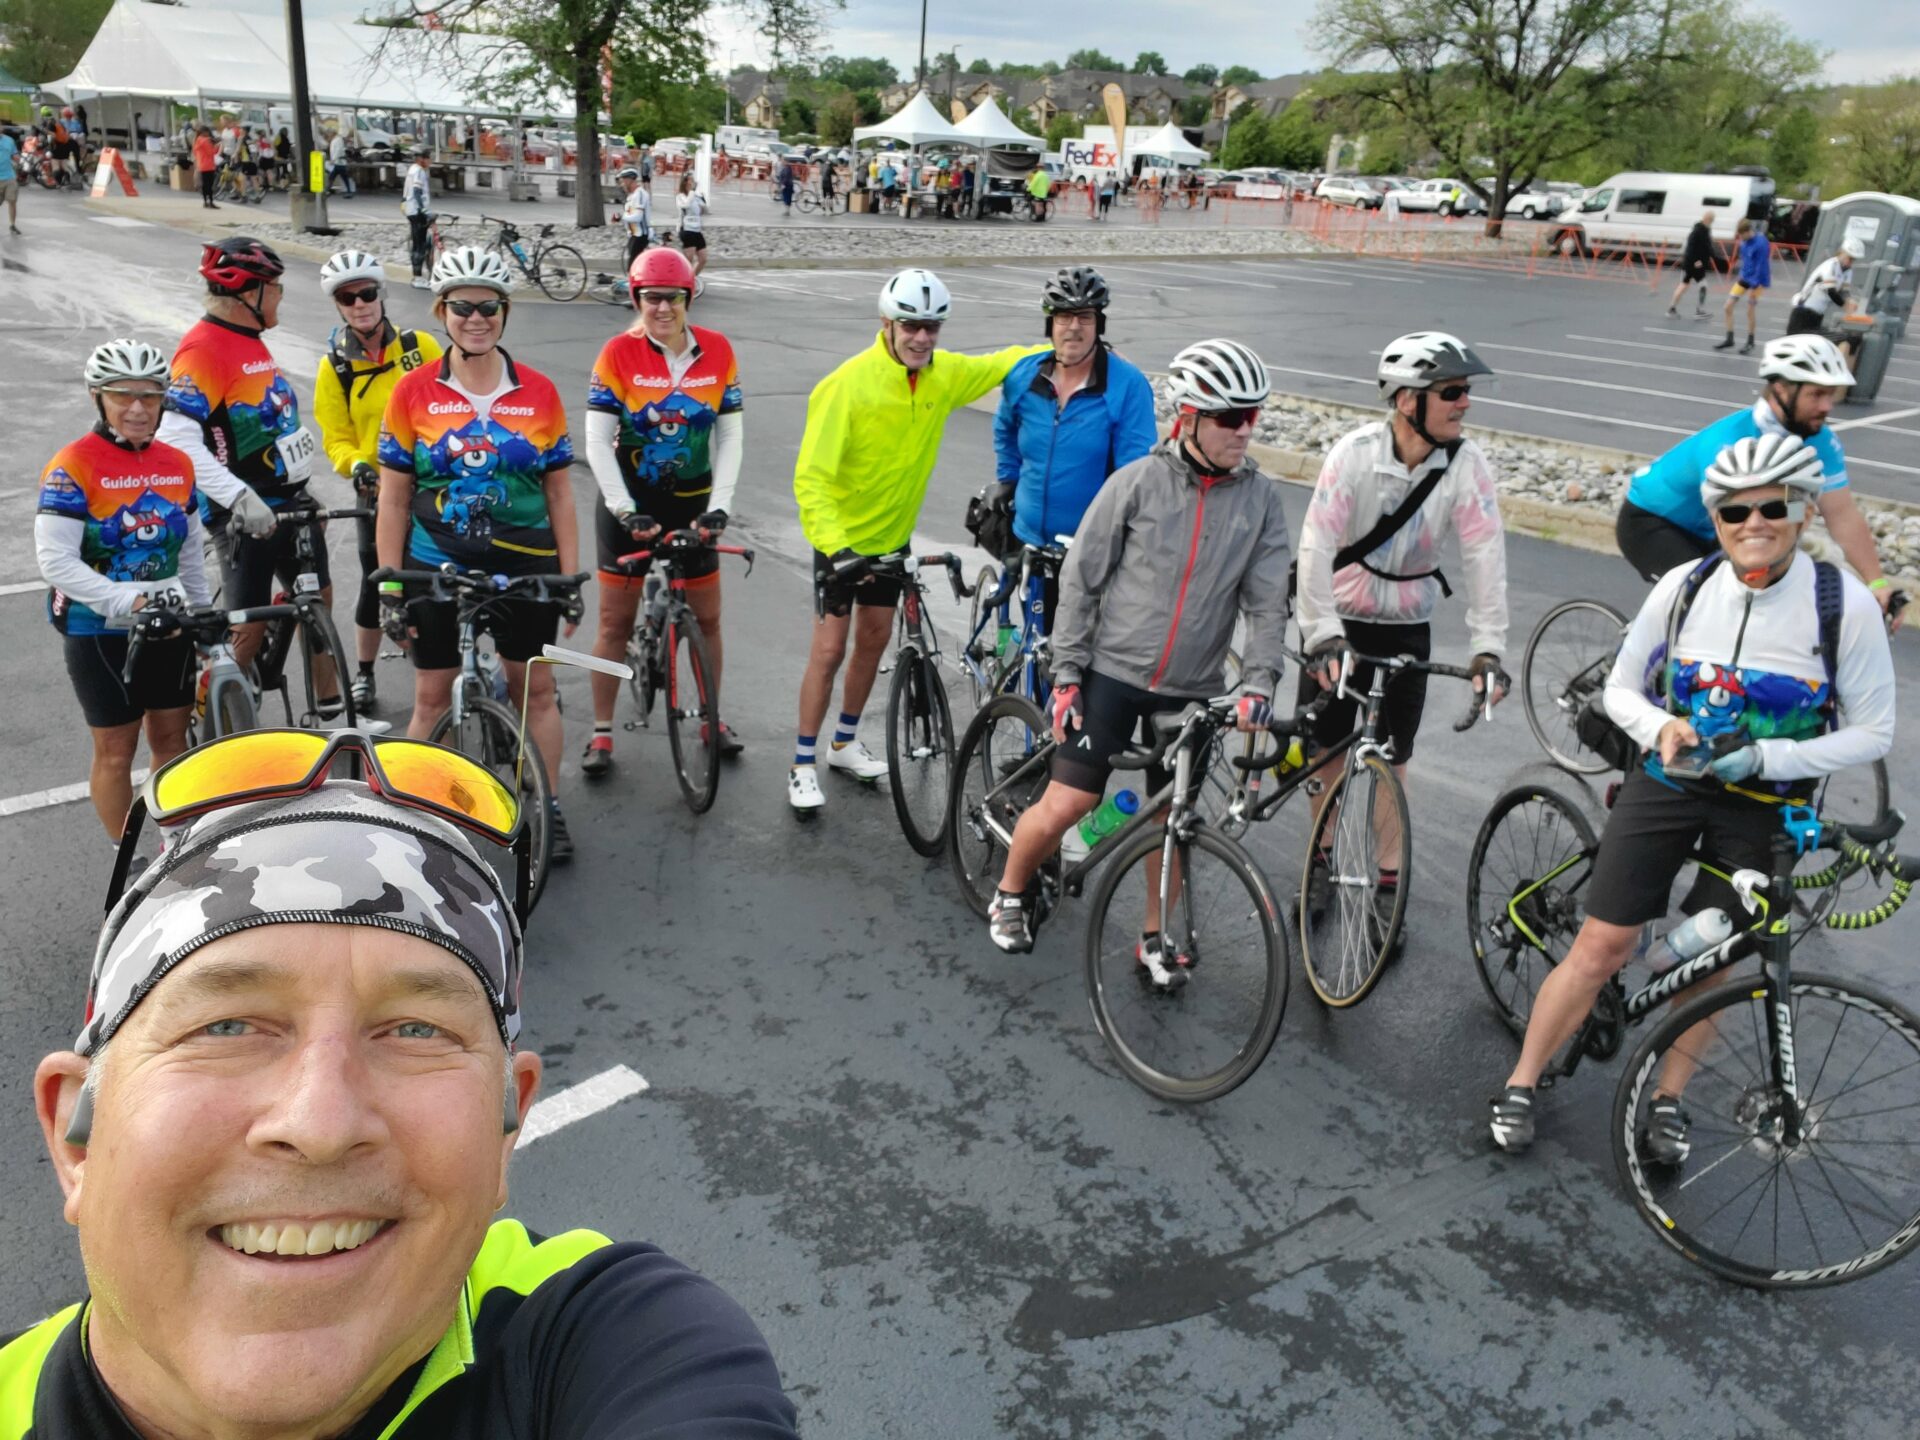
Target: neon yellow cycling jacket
x: 872, y: 440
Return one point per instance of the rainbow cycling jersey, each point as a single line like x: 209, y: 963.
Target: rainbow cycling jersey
x: 666, y: 425
x: 226, y: 382
x: 134, y: 507
x: 480, y: 494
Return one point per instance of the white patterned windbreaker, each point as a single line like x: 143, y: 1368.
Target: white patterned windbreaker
x: 1361, y: 481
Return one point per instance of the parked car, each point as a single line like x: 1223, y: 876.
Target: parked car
x: 1654, y: 207
x: 1543, y: 199
x: 1349, y: 190
x: 1437, y: 196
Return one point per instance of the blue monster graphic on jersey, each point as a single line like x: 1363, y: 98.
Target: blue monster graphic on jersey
x: 188, y: 398
x: 1719, y: 700
x: 674, y: 432
x: 473, y: 458
x: 142, y: 541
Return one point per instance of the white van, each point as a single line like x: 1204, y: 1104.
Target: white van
x: 1657, y: 207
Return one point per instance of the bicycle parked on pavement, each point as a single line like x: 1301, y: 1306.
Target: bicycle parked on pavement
x: 1800, y: 1167
x: 477, y: 724
x: 668, y: 656
x: 553, y: 265
x: 1205, y: 1028
x: 1007, y: 643
x: 808, y: 200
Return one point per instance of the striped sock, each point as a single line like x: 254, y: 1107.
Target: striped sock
x: 803, y: 749
x: 845, y: 732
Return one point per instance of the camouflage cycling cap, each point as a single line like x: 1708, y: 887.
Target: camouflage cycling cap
x: 338, y: 855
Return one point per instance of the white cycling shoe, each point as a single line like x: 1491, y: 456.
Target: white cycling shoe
x: 803, y: 789
x: 857, y: 761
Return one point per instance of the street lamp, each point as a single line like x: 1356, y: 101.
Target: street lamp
x: 923, y: 47
x: 726, y: 84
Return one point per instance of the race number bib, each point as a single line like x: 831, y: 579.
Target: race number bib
x: 297, y: 452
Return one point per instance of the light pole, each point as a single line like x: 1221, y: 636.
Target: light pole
x: 304, y: 209
x: 726, y: 83
x: 923, y: 47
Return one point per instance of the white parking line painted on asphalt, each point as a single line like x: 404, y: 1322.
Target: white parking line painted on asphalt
x: 1715, y: 401
x: 59, y: 795
x: 1219, y: 279
x: 1745, y: 363
x: 125, y: 222
x: 1741, y: 379
x: 1877, y: 420
x: 578, y: 1102
x: 1343, y: 267
x: 23, y: 587
x: 1371, y: 384
x: 1153, y: 270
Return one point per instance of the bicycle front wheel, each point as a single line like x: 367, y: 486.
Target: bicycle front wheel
x: 983, y: 640
x: 1350, y: 925
x: 806, y: 201
x: 1001, y: 739
x: 489, y: 734
x: 693, y: 718
x: 644, y: 683
x: 1197, y: 1040
x: 919, y: 749
x: 1566, y: 664
x: 320, y: 651
x: 560, y: 272
x: 1528, y: 867
x: 1793, y: 1187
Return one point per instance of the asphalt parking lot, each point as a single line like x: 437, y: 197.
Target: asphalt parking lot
x: 787, y: 1055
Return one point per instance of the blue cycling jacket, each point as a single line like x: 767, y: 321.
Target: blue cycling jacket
x: 1670, y: 486
x: 1756, y: 261
x: 1057, y: 459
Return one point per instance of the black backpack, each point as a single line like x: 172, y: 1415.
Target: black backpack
x: 1595, y: 726
x: 410, y: 359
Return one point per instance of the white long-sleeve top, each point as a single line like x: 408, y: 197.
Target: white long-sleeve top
x: 221, y: 485
x: 1752, y: 658
x: 603, y: 439
x: 56, y: 546
x: 1363, y: 480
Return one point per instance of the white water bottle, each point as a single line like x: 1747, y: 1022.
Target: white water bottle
x: 1697, y: 936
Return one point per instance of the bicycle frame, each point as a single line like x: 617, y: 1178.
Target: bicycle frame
x: 662, y: 615
x: 1034, y: 641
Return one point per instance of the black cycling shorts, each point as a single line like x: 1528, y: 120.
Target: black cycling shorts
x: 1650, y: 834
x: 366, y: 610
x: 1653, y: 544
x: 519, y: 627
x: 674, y: 512
x: 1406, y: 699
x: 252, y: 565
x: 163, y: 677
x: 692, y: 240
x: 833, y: 596
x: 1803, y: 320
x: 636, y: 246
x: 1695, y: 271
x: 1113, y: 714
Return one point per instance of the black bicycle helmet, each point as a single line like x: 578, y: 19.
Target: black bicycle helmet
x: 238, y: 263
x: 1075, y: 287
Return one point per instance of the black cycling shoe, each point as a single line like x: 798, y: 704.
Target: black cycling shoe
x: 1384, y: 899
x: 1663, y: 1140
x: 597, y: 759
x: 560, y: 843
x: 365, y: 694
x: 1010, y: 920
x: 1512, y: 1120
x: 1319, y: 884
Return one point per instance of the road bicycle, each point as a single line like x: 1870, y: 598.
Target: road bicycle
x: 231, y: 186
x: 478, y: 725
x: 668, y: 655
x: 1348, y: 923
x: 919, y: 716
x: 1800, y: 1167
x: 810, y: 201
x: 226, y: 697
x: 1205, y: 1028
x: 553, y: 265
x: 1007, y: 645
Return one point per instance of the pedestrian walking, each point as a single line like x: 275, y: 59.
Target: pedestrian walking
x: 1109, y: 186
x: 206, y: 164
x: 416, y: 203
x: 337, y: 168
x: 1694, y: 260
x: 10, y: 179
x: 1756, y: 274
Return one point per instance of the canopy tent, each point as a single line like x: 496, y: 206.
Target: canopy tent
x: 195, y: 56
x: 988, y: 125
x: 10, y: 84
x: 915, y: 123
x: 1167, y: 143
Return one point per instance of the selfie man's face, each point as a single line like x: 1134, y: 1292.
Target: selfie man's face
x: 297, y: 1147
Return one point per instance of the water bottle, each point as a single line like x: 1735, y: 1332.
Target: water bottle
x: 1114, y: 812
x: 1008, y: 643
x: 1697, y: 936
x: 1295, y: 757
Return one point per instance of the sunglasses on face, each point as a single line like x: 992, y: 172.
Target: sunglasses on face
x: 1453, y: 394
x: 127, y: 395
x: 920, y: 327
x: 1235, y: 419
x: 662, y: 297
x: 1736, y: 513
x: 488, y: 308
x: 357, y: 297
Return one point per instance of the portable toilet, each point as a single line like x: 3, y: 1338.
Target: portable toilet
x: 1885, y: 279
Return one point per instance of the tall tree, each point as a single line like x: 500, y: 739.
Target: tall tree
x: 1239, y: 75
x: 42, y: 40
x: 859, y: 72
x: 1207, y: 75
x: 1249, y: 140
x: 1092, y: 59
x: 1517, y: 83
x: 980, y: 65
x: 1877, y: 135
x: 1150, y: 62
x: 839, y: 118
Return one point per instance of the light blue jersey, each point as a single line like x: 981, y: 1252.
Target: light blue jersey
x: 1670, y: 486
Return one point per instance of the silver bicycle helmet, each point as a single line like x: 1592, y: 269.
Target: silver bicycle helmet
x: 1214, y: 375
x: 125, y: 360
x: 1424, y: 359
x: 469, y: 265
x: 1804, y: 360
x: 915, y: 294
x: 350, y: 265
x: 1759, y: 462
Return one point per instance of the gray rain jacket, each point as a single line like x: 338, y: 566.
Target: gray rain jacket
x: 1163, y: 563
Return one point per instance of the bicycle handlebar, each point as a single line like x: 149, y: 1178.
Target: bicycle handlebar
x: 552, y: 589
x: 681, y: 541
x: 317, y: 516
x: 1169, y: 728
x: 905, y: 565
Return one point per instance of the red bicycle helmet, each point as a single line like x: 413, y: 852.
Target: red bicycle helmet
x: 237, y: 264
x: 660, y: 269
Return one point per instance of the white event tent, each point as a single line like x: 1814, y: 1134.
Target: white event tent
x: 916, y: 123
x: 988, y: 125
x: 201, y: 56
x: 1167, y: 143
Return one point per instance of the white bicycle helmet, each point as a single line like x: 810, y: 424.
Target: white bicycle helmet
x: 469, y: 265
x: 350, y: 265
x: 1804, y: 360
x: 915, y: 295
x: 1760, y: 461
x: 1854, y: 247
x: 125, y: 360
x: 1427, y: 358
x: 1214, y: 375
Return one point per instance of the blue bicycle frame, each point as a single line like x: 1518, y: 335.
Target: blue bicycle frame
x: 1028, y: 675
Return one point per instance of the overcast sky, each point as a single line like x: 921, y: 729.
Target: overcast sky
x: 1268, y: 36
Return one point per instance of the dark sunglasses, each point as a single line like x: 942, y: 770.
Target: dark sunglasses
x: 357, y: 297
x: 660, y: 297
x: 1736, y: 513
x: 926, y: 327
x: 1235, y: 418
x: 488, y: 308
x: 1453, y: 394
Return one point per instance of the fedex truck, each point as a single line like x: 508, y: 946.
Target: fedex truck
x: 1094, y: 153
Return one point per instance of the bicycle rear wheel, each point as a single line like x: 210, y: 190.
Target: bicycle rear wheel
x: 919, y: 749
x: 560, y: 272
x: 489, y: 734
x: 693, y: 717
x: 1566, y: 664
x: 983, y: 644
x: 1000, y: 740
x: 1347, y: 934
x: 1199, y: 1040
x: 1529, y: 865
x: 1747, y: 1203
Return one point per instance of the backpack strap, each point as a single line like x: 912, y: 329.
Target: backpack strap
x: 1676, y: 621
x: 1830, y: 596
x: 1393, y: 522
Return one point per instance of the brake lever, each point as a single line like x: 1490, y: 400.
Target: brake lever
x: 747, y: 555
x: 961, y: 590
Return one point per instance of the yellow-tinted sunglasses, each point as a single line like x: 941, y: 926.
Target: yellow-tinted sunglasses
x: 270, y: 764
